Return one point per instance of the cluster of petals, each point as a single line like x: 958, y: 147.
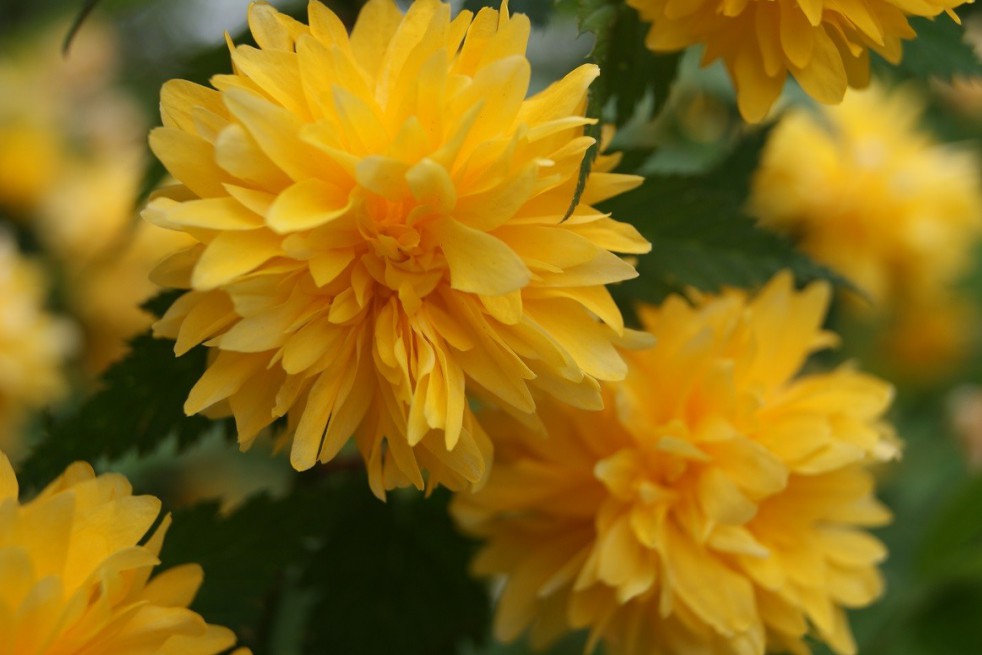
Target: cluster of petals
x: 716, y: 505
x: 823, y: 44
x: 34, y: 345
x: 75, y: 576
x: 864, y: 191
x: 385, y: 229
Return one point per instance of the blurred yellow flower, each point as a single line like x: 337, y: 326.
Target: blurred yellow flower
x: 71, y: 166
x: 717, y: 503
x: 57, y: 111
x: 865, y: 192
x: 927, y: 340
x: 74, y: 577
x: 33, y: 347
x: 89, y: 223
x: 823, y: 44
x: 381, y: 228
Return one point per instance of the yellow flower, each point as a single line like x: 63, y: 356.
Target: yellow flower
x: 715, y: 505
x: 87, y: 222
x: 33, y: 346
x: 71, y: 166
x: 926, y: 341
x: 381, y: 230
x: 56, y: 111
x: 866, y: 193
x: 823, y: 44
x: 74, y: 577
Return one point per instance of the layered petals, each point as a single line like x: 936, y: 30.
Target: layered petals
x: 75, y: 573
x: 823, y: 44
x: 382, y: 233
x: 717, y: 504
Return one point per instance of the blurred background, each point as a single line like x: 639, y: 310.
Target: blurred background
x: 885, y: 190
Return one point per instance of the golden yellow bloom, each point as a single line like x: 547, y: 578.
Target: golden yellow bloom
x: 74, y: 578
x: 381, y: 228
x: 823, y: 44
x: 33, y: 346
x: 715, y: 505
x: 866, y: 193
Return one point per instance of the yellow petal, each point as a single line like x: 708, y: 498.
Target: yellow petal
x: 478, y: 262
x: 306, y: 205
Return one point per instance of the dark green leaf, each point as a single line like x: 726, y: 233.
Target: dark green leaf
x: 243, y: 555
x: 399, y: 565
x: 949, y: 624
x: 386, y: 577
x: 940, y: 50
x: 700, y: 235
x: 628, y: 71
x: 87, y: 7
x: 140, y: 403
x: 953, y: 544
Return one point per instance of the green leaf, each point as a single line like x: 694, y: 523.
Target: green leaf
x: 371, y: 577
x: 83, y: 13
x: 940, y: 50
x: 140, y: 403
x: 700, y: 235
x: 400, y: 565
x: 243, y: 555
x: 949, y: 623
x: 628, y: 72
x: 952, y: 546
x: 628, y: 69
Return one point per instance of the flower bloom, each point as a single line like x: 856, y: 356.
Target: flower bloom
x: 74, y: 579
x: 865, y: 192
x: 381, y: 227
x: 716, y: 504
x: 33, y: 346
x: 824, y: 45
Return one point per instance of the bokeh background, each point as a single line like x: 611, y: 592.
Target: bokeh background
x: 74, y: 168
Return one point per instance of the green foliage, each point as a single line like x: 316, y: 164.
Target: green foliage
x: 701, y: 236
x: 83, y: 13
x: 629, y: 71
x: 139, y: 405
x: 396, y: 564
x: 953, y: 546
x: 939, y: 51
x: 385, y: 577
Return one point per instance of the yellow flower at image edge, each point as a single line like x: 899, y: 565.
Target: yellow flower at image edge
x: 825, y: 45
x: 73, y: 578
x: 381, y: 228
x: 716, y: 505
x: 866, y: 192
x: 33, y: 347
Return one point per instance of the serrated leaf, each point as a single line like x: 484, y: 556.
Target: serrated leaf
x: 400, y: 565
x: 700, y: 235
x: 140, y: 403
x: 243, y: 555
x: 628, y: 72
x: 939, y: 50
x: 386, y: 577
